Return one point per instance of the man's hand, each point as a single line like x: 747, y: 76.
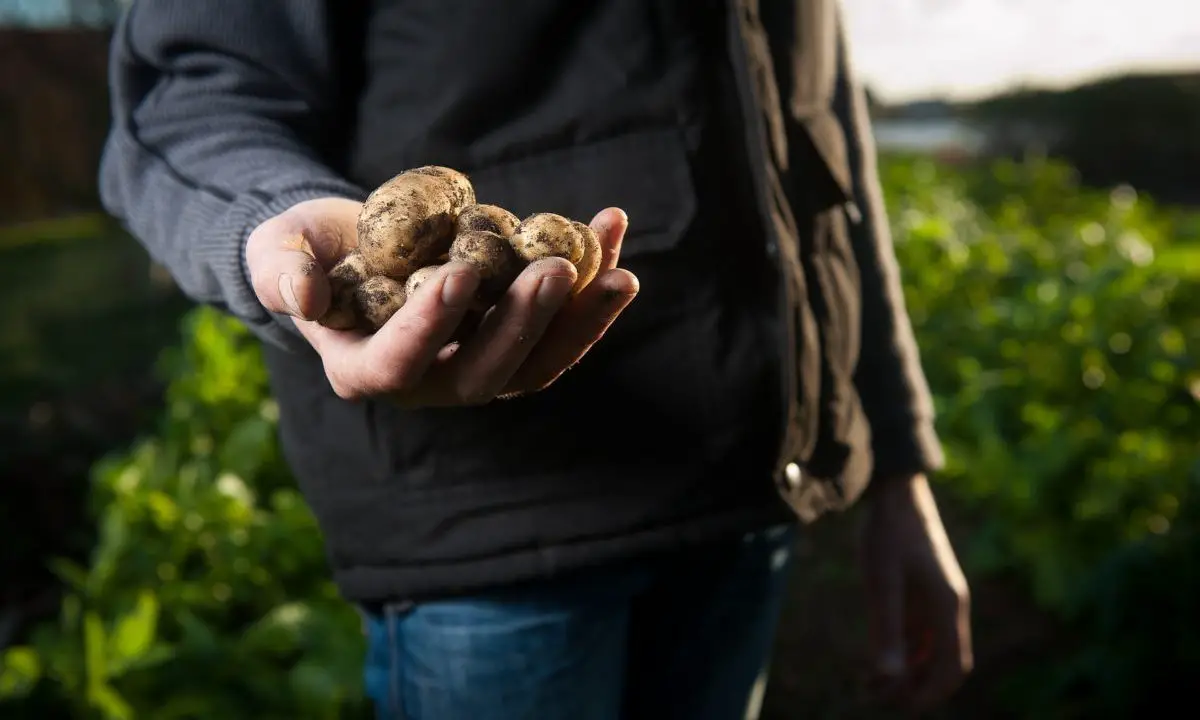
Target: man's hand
x: 918, y: 601
x: 523, y: 345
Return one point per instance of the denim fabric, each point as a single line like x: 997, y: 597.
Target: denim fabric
x: 681, y: 636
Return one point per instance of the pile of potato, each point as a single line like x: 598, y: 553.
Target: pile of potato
x: 427, y: 216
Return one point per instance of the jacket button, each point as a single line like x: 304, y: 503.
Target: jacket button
x: 793, y: 475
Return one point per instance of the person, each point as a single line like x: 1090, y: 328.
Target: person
x: 587, y: 508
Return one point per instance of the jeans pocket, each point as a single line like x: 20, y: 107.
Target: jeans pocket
x: 382, y: 670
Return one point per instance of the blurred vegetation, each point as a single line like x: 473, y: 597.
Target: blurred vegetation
x: 83, y: 316
x: 1060, y: 332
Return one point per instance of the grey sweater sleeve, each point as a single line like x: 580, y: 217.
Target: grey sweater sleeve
x: 220, y: 108
x: 889, y: 378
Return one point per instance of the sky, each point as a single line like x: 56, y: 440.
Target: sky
x: 909, y: 49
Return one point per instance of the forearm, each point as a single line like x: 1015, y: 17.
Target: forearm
x: 217, y: 111
x: 889, y: 377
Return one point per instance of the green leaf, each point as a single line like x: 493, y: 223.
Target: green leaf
x: 156, y: 655
x: 70, y: 573
x: 247, y: 447
x: 133, y: 633
x: 114, y: 536
x: 198, y: 637
x: 94, y: 647
x: 280, y: 631
x: 20, y: 670
x: 314, y: 684
x: 103, y: 697
x: 1183, y: 260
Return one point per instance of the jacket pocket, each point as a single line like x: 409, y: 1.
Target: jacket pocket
x: 646, y: 173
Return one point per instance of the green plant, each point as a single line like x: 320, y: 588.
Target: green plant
x: 207, y: 594
x: 1060, y: 334
x: 1061, y: 337
x: 1066, y: 360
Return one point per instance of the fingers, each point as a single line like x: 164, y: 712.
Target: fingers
x: 525, y: 342
x: 950, y: 659
x: 885, y: 625
x: 585, y: 320
x: 883, y: 579
x: 394, y: 360
x: 482, y: 366
x: 575, y: 329
x: 610, y: 225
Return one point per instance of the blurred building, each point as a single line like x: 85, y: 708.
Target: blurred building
x: 54, y: 115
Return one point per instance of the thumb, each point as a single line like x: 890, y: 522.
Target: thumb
x: 285, y: 273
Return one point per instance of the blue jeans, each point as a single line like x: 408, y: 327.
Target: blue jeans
x: 682, y: 636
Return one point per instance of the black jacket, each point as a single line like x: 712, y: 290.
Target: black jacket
x: 768, y: 355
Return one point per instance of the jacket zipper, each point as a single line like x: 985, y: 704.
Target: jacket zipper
x: 752, y: 120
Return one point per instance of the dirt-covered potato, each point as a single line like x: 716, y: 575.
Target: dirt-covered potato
x: 344, y: 279
x: 492, y: 255
x: 417, y: 278
x: 377, y: 299
x: 491, y: 218
x: 408, y: 221
x: 543, y: 235
x: 589, y: 265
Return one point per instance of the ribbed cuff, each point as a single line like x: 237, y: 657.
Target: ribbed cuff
x: 223, y: 250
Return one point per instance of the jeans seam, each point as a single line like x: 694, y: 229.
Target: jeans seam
x: 392, y: 613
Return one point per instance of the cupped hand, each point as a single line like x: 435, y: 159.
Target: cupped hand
x: 533, y: 334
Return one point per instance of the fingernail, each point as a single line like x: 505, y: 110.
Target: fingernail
x: 288, y: 294
x: 553, y: 290
x: 458, y: 290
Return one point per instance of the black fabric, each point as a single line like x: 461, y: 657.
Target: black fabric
x: 735, y: 141
x: 666, y: 432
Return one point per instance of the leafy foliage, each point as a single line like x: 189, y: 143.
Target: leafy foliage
x: 207, y: 594
x: 1060, y: 336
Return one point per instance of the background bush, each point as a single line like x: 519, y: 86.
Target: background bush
x: 1060, y: 331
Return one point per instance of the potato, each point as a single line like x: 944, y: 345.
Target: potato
x: 543, y: 235
x: 421, y: 275
x: 377, y: 299
x: 491, y: 218
x: 344, y: 279
x: 461, y: 190
x: 492, y: 255
x: 589, y: 265
x: 408, y: 221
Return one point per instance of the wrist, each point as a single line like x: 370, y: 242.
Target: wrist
x: 893, y: 487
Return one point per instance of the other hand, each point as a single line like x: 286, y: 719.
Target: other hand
x: 918, y: 601
x: 522, y: 345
